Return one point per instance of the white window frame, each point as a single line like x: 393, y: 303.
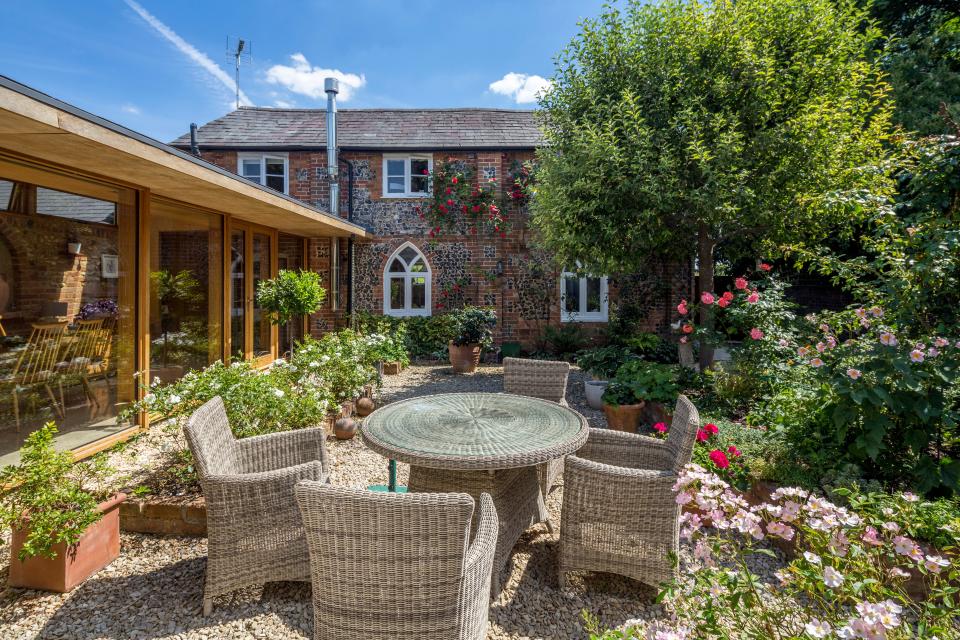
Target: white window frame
x: 263, y: 157
x: 406, y: 157
x: 583, y: 315
x: 407, y: 277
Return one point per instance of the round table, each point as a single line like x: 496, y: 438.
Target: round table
x: 479, y: 443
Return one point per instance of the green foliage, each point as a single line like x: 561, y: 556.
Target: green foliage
x: 51, y: 492
x: 386, y: 337
x: 733, y: 120
x: 341, y: 362
x: 425, y: 336
x: 175, y: 287
x: 603, y: 362
x: 460, y: 202
x: 638, y: 381
x: 934, y: 521
x: 565, y: 340
x: 290, y: 294
x: 473, y: 325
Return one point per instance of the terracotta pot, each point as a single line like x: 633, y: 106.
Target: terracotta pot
x: 365, y: 407
x: 391, y: 368
x: 464, y: 358
x: 624, y: 417
x: 98, y: 546
x: 344, y: 428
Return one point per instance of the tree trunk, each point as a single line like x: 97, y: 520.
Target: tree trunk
x: 705, y: 245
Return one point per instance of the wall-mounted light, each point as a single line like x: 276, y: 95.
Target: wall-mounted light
x: 73, y: 248
x: 499, y: 268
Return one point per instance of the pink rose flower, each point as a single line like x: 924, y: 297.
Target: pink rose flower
x: 682, y: 308
x: 732, y: 450
x: 711, y: 428
x: 756, y: 334
x: 765, y: 267
x: 753, y: 297
x: 702, y: 436
x: 661, y: 427
x: 916, y: 355
x: 854, y: 373
x: 706, y: 297
x: 741, y: 283
x: 723, y: 303
x: 687, y: 328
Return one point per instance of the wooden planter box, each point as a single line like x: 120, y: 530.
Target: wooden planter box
x: 98, y: 546
x: 392, y: 368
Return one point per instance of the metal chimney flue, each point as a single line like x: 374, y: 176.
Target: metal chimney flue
x: 194, y: 145
x: 332, y: 87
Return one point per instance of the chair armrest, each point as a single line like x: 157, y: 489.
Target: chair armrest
x: 594, y: 486
x: 481, y: 551
x: 274, y: 451
x: 628, y: 450
x: 230, y: 497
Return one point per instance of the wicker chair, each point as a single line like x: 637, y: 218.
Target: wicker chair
x: 397, y: 565
x: 254, y: 530
x: 546, y: 379
x: 619, y: 511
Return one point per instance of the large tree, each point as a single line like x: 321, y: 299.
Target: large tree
x: 676, y: 127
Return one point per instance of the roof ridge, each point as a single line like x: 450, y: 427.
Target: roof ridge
x: 399, y: 109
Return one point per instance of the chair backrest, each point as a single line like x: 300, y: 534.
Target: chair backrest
x: 546, y: 379
x: 683, y: 432
x: 393, y: 560
x: 41, y: 353
x: 83, y: 347
x: 211, y: 440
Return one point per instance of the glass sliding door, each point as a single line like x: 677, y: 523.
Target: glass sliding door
x: 238, y: 293
x: 186, y: 290
x: 253, y: 260
x: 262, y: 270
x: 291, y: 256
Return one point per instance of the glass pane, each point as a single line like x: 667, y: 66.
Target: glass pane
x: 419, y: 184
x: 419, y: 167
x: 395, y: 185
x: 81, y: 208
x: 397, y: 266
x: 274, y: 167
x: 418, y: 266
x: 418, y: 293
x: 251, y: 169
x: 261, y: 272
x: 67, y: 320
x: 593, y: 295
x: 186, y: 290
x: 395, y: 168
x: 409, y: 254
x: 290, y: 256
x: 571, y: 287
x: 275, y: 182
x: 238, y: 296
x: 396, y: 293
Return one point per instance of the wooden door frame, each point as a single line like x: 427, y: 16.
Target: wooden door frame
x: 249, y: 230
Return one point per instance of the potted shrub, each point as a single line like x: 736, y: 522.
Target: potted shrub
x: 290, y: 295
x: 638, y: 383
x: 602, y: 363
x: 473, y: 331
x: 63, y: 530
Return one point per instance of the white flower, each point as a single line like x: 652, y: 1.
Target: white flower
x: 935, y: 564
x: 916, y: 355
x: 909, y: 497
x: 811, y: 557
x: 278, y: 393
x: 832, y: 578
x: 149, y: 398
x: 174, y: 399
x: 817, y: 628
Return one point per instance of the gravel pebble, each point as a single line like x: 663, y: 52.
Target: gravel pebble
x: 154, y: 588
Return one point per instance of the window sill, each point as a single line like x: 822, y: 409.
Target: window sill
x: 407, y: 196
x: 584, y: 319
x: 415, y: 313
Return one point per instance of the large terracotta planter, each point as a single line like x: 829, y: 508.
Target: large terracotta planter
x: 98, y: 546
x: 465, y: 358
x: 624, y: 417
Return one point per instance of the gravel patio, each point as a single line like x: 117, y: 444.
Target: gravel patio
x: 154, y: 589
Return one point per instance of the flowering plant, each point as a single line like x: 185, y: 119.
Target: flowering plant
x: 849, y: 576
x: 341, y: 362
x: 715, y: 453
x: 100, y: 308
x: 459, y: 199
x: 522, y: 187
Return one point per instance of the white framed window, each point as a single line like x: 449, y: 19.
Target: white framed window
x: 268, y: 169
x: 406, y: 283
x: 583, y: 298
x: 406, y: 176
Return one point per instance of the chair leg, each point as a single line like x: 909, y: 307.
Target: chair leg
x: 89, y: 391
x: 53, y: 399
x: 16, y: 408
x: 549, y: 524
x: 207, y: 606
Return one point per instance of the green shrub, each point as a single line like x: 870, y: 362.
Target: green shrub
x: 53, y: 492
x: 638, y: 381
x: 426, y: 336
x: 290, y: 294
x: 565, y: 340
x: 473, y: 325
x: 341, y: 363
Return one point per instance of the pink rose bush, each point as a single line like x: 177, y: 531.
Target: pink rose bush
x: 846, y: 575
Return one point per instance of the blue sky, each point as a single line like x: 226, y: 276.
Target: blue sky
x: 155, y: 66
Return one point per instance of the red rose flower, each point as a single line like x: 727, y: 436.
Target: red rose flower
x: 661, y: 427
x: 719, y: 458
x: 711, y: 428
x: 687, y: 328
x: 454, y: 180
x: 449, y: 202
x: 765, y: 267
x: 476, y: 208
x: 702, y: 436
x: 727, y: 295
x: 732, y: 450
x: 425, y: 172
x: 449, y: 190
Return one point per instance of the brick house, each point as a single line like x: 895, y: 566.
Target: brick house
x: 401, y: 270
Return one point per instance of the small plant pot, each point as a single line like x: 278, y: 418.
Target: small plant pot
x: 344, y: 428
x: 594, y: 389
x: 392, y: 368
x: 98, y: 546
x: 464, y: 358
x: 624, y: 417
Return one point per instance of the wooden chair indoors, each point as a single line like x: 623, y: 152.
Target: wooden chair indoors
x: 81, y: 351
x: 37, y: 365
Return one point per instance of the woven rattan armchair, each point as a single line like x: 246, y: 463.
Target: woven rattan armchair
x: 394, y: 565
x: 619, y: 511
x: 546, y: 379
x: 254, y: 530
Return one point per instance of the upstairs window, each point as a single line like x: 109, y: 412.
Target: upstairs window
x: 406, y: 176
x: 406, y: 283
x: 266, y: 169
x: 583, y: 298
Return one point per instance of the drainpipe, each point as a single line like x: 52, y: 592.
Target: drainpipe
x: 194, y: 146
x: 349, y: 165
x: 332, y: 87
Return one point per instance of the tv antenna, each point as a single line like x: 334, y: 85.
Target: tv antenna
x: 242, y: 52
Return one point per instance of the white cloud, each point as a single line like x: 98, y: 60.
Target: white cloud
x: 307, y: 80
x: 283, y: 104
x: 521, y: 87
x: 198, y: 57
x: 130, y: 108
